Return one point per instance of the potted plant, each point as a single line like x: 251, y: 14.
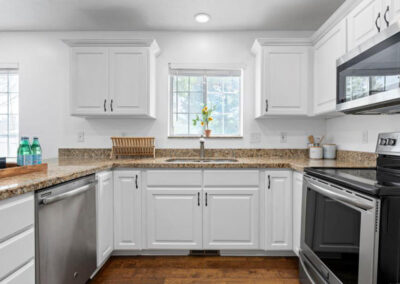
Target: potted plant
x: 205, y: 119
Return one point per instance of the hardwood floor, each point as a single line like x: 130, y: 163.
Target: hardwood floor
x: 198, y: 270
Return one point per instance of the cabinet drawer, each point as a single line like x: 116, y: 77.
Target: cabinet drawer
x: 214, y: 178
x: 16, y: 214
x: 26, y: 275
x: 174, y: 178
x: 16, y: 251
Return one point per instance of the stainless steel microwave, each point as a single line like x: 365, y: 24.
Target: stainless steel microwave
x: 368, y: 77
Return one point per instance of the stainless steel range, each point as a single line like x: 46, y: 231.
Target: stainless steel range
x: 351, y: 221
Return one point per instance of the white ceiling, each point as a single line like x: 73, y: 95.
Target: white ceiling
x: 164, y: 14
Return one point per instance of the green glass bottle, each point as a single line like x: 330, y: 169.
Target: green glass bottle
x: 26, y: 152
x: 36, y: 152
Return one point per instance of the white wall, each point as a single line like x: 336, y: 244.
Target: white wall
x: 44, y: 87
x: 348, y: 131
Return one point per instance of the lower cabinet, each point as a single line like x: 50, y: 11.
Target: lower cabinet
x: 105, y: 215
x: 231, y: 218
x: 127, y: 210
x: 297, y: 209
x: 278, y: 212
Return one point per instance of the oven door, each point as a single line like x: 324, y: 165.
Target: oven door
x: 339, y: 233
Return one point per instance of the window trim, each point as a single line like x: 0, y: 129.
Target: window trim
x: 174, y: 69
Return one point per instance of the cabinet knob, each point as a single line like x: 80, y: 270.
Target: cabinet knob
x: 376, y: 22
x: 105, y: 107
x: 385, y: 15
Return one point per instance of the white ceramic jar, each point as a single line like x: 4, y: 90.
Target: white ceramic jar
x: 316, y: 152
x: 329, y: 151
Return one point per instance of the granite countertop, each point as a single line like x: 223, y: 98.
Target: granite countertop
x: 62, y: 170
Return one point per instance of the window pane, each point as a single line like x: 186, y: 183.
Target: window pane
x: 183, y: 84
x: 14, y: 103
x: 3, y: 125
x: 183, y: 103
x: 13, y: 83
x: 180, y: 123
x: 196, y: 84
x: 232, y: 103
x: 231, y: 124
x: 214, y: 101
x: 195, y: 130
x: 217, y: 125
x: 196, y: 102
x: 3, y: 83
x: 231, y: 85
x: 13, y: 125
x: 13, y: 141
x: 214, y: 84
x: 3, y: 103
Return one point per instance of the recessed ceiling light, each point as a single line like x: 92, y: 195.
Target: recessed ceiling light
x: 202, y: 18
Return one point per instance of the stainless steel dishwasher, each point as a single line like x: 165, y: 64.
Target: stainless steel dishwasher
x: 66, y: 232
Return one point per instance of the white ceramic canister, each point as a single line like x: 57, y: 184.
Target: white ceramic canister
x: 329, y: 151
x: 316, y: 152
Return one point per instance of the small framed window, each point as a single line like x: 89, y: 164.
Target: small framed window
x: 9, y: 112
x: 192, y: 89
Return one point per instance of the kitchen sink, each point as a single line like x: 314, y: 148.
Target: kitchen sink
x: 194, y: 160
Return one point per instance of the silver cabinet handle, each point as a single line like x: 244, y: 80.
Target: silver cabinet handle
x: 68, y: 194
x: 385, y: 15
x: 198, y: 199
x: 136, y: 182
x: 376, y: 22
x: 269, y: 182
x: 206, y: 200
x: 266, y: 105
x: 105, y: 106
x: 111, y: 105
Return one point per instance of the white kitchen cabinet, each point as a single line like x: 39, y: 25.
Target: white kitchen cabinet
x: 17, y: 239
x: 326, y: 51
x: 283, y: 73
x: 297, y: 210
x: 113, y: 78
x: 173, y: 209
x: 127, y: 209
x: 364, y: 22
x: 392, y: 10
x: 105, y: 216
x: 278, y: 213
x: 174, y: 218
x: 231, y: 218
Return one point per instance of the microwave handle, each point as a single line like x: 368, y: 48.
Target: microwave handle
x: 339, y: 197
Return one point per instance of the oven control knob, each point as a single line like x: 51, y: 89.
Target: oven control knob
x: 391, y: 142
x: 383, y: 141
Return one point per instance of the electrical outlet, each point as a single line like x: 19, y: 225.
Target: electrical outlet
x: 255, y: 137
x: 365, y: 137
x: 283, y: 137
x: 81, y: 136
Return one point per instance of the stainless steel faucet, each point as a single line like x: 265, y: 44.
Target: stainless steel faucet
x: 202, y: 150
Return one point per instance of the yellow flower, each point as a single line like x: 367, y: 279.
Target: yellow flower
x: 205, y: 108
x: 202, y: 123
x: 210, y: 118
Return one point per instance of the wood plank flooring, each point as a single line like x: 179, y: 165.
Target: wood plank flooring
x: 198, y: 270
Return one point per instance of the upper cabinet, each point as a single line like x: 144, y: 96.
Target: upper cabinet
x: 282, y: 76
x: 113, y: 77
x: 326, y: 51
x: 369, y: 18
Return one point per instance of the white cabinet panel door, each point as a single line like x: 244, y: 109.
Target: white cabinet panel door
x: 326, y: 51
x: 278, y: 213
x: 297, y: 203
x: 127, y: 210
x: 129, y: 80
x: 24, y: 275
x: 174, y: 218
x: 393, y: 13
x: 231, y: 218
x: 286, y: 82
x: 89, y: 80
x: 105, y: 216
x: 363, y: 21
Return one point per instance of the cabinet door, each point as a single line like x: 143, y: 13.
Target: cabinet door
x: 278, y: 210
x: 326, y: 51
x: 127, y: 210
x: 231, y: 218
x: 89, y: 80
x: 105, y: 216
x: 129, y: 80
x: 286, y: 82
x: 363, y: 21
x: 297, y: 207
x: 174, y: 218
x: 392, y: 10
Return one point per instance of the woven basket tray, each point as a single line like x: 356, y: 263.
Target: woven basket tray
x: 133, y: 146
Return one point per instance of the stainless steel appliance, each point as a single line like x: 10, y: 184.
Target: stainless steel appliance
x: 66, y: 232
x: 350, y: 221
x: 368, y: 77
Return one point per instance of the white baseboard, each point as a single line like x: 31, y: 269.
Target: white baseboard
x: 256, y: 253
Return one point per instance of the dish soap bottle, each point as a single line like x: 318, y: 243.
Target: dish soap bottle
x: 36, y: 152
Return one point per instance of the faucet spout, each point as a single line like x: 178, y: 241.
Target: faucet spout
x: 202, y: 150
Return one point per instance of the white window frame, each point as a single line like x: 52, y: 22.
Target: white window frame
x: 204, y: 70
x: 10, y: 68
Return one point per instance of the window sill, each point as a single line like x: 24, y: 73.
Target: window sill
x: 211, y: 137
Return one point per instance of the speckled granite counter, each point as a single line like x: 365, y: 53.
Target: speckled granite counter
x: 62, y: 170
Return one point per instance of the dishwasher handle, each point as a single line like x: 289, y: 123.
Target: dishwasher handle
x: 67, y: 194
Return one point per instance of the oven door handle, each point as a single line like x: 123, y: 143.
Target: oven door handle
x: 306, y: 265
x: 339, y: 197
